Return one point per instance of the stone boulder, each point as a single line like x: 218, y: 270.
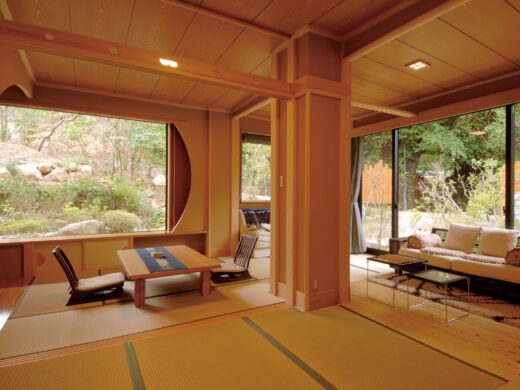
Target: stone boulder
x: 159, y: 180
x: 156, y: 171
x: 58, y: 174
x: 85, y: 227
x: 73, y: 168
x: 4, y: 173
x: 86, y: 169
x: 45, y: 168
x: 28, y: 171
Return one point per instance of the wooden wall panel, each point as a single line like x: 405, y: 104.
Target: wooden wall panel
x: 300, y: 188
x: 103, y: 253
x: 219, y: 184
x: 47, y: 263
x: 11, y: 262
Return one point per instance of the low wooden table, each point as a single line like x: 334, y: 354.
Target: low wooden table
x: 136, y: 269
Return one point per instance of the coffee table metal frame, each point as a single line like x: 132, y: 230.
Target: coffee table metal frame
x: 399, y: 265
x: 429, y: 276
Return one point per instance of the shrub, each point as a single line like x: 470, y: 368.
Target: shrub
x: 121, y: 221
x: 19, y: 226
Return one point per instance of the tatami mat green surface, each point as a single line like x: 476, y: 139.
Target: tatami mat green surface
x: 105, y: 368
x: 227, y: 355
x: 354, y: 352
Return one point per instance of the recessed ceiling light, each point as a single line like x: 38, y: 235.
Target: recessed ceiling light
x: 418, y: 64
x: 170, y: 63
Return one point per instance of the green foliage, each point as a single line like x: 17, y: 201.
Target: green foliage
x: 256, y: 171
x: 121, y: 221
x: 20, y: 226
x: 11, y: 163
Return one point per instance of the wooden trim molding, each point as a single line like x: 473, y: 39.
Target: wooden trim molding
x: 384, y: 109
x: 48, y: 41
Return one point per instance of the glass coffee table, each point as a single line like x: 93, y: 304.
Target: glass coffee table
x: 398, y: 261
x: 440, y: 278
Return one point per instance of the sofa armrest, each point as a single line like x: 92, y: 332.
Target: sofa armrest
x: 396, y: 243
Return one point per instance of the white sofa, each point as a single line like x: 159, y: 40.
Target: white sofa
x: 462, y: 254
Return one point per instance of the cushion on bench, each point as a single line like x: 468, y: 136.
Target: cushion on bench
x: 462, y: 237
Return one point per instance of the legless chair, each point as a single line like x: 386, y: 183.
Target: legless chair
x: 236, y: 270
x: 89, y: 289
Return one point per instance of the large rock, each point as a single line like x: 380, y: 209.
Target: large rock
x: 159, y: 180
x: 4, y: 173
x: 86, y: 170
x: 85, y: 227
x: 58, y: 174
x: 73, y: 168
x: 28, y: 171
x: 156, y: 171
x: 45, y: 168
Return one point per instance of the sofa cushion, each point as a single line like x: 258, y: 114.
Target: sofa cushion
x: 506, y: 272
x: 442, y: 252
x: 433, y: 260
x: 513, y: 257
x: 484, y: 258
x: 424, y: 240
x: 462, y: 237
x: 497, y: 242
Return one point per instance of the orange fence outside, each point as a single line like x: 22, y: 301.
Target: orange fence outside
x: 376, y: 186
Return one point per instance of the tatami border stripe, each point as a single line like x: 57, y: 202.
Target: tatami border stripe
x: 21, y: 299
x: 133, y: 367
x: 426, y: 345
x: 295, y: 359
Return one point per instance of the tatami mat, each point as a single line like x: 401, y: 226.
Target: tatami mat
x: 104, y: 368
x: 354, y: 352
x: 227, y: 355
x: 50, y: 331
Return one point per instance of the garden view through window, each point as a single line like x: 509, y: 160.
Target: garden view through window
x: 69, y: 174
x: 450, y: 170
x: 256, y: 167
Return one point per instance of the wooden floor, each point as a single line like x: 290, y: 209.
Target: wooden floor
x: 482, y: 342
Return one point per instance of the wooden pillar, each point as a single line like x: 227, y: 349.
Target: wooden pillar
x: 310, y: 169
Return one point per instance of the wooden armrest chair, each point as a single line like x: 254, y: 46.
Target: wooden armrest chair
x: 237, y: 269
x: 89, y: 289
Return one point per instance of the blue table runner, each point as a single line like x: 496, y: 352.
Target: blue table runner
x: 152, y: 263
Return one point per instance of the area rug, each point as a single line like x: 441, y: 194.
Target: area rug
x: 49, y: 293
x: 500, y: 310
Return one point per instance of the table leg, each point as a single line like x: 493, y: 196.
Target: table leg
x: 139, y: 292
x: 204, y: 283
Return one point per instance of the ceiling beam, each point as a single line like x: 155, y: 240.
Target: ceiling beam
x: 252, y: 107
x: 48, y: 41
x: 399, y: 24
x: 227, y: 18
x: 384, y: 109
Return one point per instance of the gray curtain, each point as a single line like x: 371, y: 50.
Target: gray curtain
x: 357, y: 238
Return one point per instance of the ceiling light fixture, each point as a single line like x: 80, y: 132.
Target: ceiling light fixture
x: 418, y: 64
x: 170, y: 63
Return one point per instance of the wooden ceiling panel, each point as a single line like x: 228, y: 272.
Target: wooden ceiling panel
x: 204, y: 95
x: 263, y: 69
x: 230, y: 99
x: 139, y: 84
x: 206, y: 39
x: 52, y: 69
x: 264, y: 112
x: 289, y: 16
x: 348, y: 15
x: 370, y: 92
x: 388, y: 77
x: 494, y: 23
x: 165, y: 32
x: 241, y: 9
x: 102, y: 19
x: 46, y: 13
x: 453, y: 47
x: 248, y: 51
x: 94, y: 76
x: 357, y: 112
x: 397, y: 54
x: 171, y: 89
